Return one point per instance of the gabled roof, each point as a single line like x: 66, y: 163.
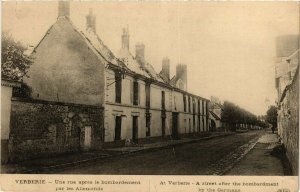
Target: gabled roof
x: 92, y: 40
x: 214, y: 105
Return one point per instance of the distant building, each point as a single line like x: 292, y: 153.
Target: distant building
x: 215, y: 113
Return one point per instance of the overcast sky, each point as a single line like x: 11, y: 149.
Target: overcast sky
x: 229, y: 47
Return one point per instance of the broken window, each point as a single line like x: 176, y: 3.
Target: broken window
x: 147, y: 95
x: 163, y: 100
x: 135, y: 93
x: 194, y: 106
x: 118, y: 87
x: 184, y: 103
x: 198, y: 106
x: 189, y: 103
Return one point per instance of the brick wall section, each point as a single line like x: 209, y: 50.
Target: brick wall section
x: 289, y: 123
x: 41, y: 129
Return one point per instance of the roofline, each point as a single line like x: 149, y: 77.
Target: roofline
x: 289, y: 85
x: 10, y: 83
x: 163, y: 84
x: 213, y: 114
x: 113, y: 66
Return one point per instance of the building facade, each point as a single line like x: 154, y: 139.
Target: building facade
x: 73, y: 66
x: 287, y: 85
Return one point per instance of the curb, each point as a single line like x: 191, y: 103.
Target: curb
x: 65, y: 165
x: 227, y: 169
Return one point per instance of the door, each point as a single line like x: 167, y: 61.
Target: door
x: 163, y: 126
x: 118, y: 125
x: 134, y: 128
x: 194, y: 124
x: 175, y: 125
x: 87, y: 137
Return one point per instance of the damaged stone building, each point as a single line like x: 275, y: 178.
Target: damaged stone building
x: 84, y: 97
x: 287, y: 86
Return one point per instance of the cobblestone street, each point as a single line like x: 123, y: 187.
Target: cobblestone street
x: 207, y: 157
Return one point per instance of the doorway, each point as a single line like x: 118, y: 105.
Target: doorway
x: 87, y: 137
x: 134, y: 129
x: 118, y: 125
x: 163, y: 126
x: 175, y: 125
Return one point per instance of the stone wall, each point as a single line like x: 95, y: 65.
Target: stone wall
x: 41, y: 129
x: 288, y: 122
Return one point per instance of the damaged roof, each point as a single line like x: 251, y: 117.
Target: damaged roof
x: 215, y: 115
x: 147, y: 70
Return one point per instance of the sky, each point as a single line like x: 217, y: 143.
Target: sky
x: 228, y: 47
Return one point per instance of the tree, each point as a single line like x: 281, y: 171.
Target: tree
x: 272, y: 116
x: 234, y: 116
x: 15, y: 63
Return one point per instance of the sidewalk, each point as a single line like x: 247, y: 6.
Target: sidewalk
x: 260, y: 161
x: 68, y: 160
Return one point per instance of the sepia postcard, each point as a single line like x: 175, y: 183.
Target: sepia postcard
x: 154, y: 96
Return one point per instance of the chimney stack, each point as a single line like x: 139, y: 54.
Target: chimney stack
x: 140, y: 54
x: 181, y: 72
x: 64, y: 9
x: 91, y: 21
x: 125, y: 39
x: 166, y: 67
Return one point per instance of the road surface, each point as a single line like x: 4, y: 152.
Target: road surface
x: 187, y: 159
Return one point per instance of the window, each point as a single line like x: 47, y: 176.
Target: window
x: 118, y: 87
x: 184, y: 103
x: 163, y: 106
x: 148, y: 95
x: 198, y: 106
x: 135, y: 93
x: 189, y: 104
x: 202, y: 107
x: 194, y: 106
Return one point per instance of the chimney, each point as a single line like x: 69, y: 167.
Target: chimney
x: 64, y: 9
x: 125, y: 39
x: 181, y: 73
x: 140, y: 54
x: 91, y: 21
x: 166, y: 67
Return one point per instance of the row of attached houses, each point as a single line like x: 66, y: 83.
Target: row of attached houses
x: 85, y: 97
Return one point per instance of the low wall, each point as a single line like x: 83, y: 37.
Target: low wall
x: 42, y: 129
